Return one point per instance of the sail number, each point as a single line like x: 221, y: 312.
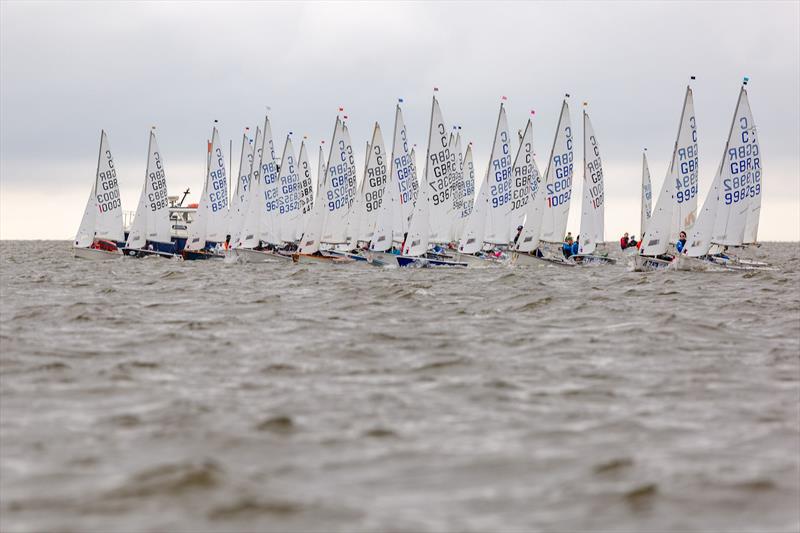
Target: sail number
x: 560, y: 191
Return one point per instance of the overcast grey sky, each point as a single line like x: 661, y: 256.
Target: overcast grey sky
x: 69, y: 69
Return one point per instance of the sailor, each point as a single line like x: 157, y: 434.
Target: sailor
x: 624, y: 241
x: 681, y: 242
x: 519, y: 232
x: 632, y: 242
x: 227, y: 244
x: 576, y: 246
x: 566, y: 248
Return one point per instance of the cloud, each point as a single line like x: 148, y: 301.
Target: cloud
x: 69, y: 69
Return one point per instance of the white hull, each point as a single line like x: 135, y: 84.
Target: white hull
x: 525, y: 260
x: 692, y: 264
x: 93, y: 254
x: 591, y: 259
x: 643, y: 263
x: 248, y: 255
x: 474, y: 261
x: 383, y: 259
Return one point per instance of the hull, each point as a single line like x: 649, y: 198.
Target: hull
x: 525, y: 259
x: 475, y: 261
x: 199, y: 255
x: 141, y: 254
x: 643, y: 263
x: 591, y: 259
x: 693, y: 264
x: 351, y: 255
x: 382, y: 259
x: 323, y: 258
x: 93, y: 254
x: 426, y: 262
x: 248, y: 255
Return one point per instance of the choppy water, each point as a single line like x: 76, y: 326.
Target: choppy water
x: 154, y: 395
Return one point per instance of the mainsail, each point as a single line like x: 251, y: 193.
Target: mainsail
x: 373, y: 187
x: 740, y: 178
x: 328, y: 221
x: 593, y: 205
x: 306, y: 190
x: 289, y: 210
x: 458, y: 190
x: 432, y: 190
x: 558, y: 181
x: 498, y: 180
x: 682, y: 172
x: 521, y: 184
x: 438, y: 179
x: 269, y: 226
x: 238, y: 208
x: 647, y: 195
x: 211, y: 219
x: 249, y: 236
x: 469, y: 185
x: 102, y: 217
x: 151, y: 222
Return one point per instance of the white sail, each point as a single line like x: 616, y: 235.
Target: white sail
x: 534, y: 213
x: 647, y: 195
x: 740, y: 176
x: 558, y: 181
x: 289, y: 209
x: 685, y: 167
x: 754, y: 211
x: 373, y: 187
x: 499, y: 181
x: 438, y: 178
x: 414, y: 177
x: 457, y: 156
x: 249, y: 234
x: 698, y: 242
x: 593, y: 204
x: 320, y: 174
x: 306, y: 190
x: 682, y: 172
x: 102, y: 217
x: 521, y: 181
x: 269, y: 226
x: 475, y: 227
x: 238, y: 208
x: 469, y: 185
x: 418, y: 235
x: 328, y: 221
x: 211, y: 219
x: 151, y: 222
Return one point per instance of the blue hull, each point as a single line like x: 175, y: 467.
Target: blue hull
x: 424, y: 262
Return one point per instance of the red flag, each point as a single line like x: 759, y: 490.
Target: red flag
x: 341, y: 109
x: 503, y: 98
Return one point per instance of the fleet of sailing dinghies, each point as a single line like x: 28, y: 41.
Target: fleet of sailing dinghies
x: 282, y: 209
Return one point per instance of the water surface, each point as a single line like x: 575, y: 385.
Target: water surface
x: 158, y: 395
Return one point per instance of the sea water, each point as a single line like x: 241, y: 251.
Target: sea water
x: 153, y: 395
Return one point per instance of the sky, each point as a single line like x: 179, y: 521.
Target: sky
x: 70, y: 69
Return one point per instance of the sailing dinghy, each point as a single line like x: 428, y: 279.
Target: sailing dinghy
x: 546, y: 220
x: 392, y: 219
x: 101, y: 231
x: 150, y: 232
x: 679, y: 187
x: 327, y: 224
x: 436, y: 188
x: 489, y: 221
x: 722, y: 222
x: 207, y: 232
x: 593, y: 205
